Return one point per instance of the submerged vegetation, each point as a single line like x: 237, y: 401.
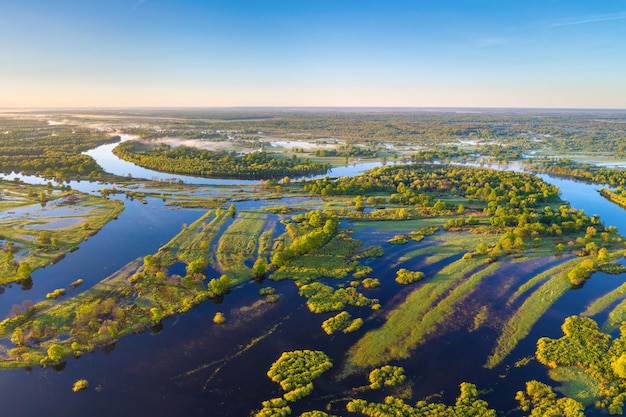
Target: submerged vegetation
x: 467, y: 404
x: 497, y: 250
x: 597, y: 354
x: 47, y: 224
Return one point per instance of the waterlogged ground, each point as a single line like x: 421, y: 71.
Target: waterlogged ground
x: 188, y: 365
x: 466, y: 321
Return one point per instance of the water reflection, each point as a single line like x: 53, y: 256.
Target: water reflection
x: 191, y: 340
x: 586, y: 197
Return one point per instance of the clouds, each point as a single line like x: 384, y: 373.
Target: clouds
x: 594, y: 18
x: 137, y: 5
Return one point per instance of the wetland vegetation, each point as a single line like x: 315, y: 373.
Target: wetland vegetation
x: 352, y: 282
x: 41, y: 224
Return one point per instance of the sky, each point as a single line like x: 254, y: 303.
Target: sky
x: 384, y: 53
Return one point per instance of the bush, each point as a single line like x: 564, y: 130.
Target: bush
x: 55, y: 294
x: 267, y: 291
x: 76, y: 283
x: 219, y: 286
x: 399, y: 240
x: 354, y: 325
x: 56, y: 353
x: 405, y: 277
x: 298, y: 368
x: 80, y: 385
x: 362, y: 272
x: 387, y: 375
x: 276, y: 407
x: 371, y: 283
x: 219, y: 318
x: 337, y: 323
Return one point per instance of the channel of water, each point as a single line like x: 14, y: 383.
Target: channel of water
x: 167, y: 373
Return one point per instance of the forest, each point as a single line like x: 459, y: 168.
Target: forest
x: 191, y: 161
x: 52, y: 152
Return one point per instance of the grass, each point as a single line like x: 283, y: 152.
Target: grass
x: 332, y: 260
x: 265, y: 242
x: 616, y: 317
x: 125, y: 303
x: 188, y: 245
x: 408, y: 325
x: 41, y: 241
x: 450, y: 244
x: 480, y: 318
x: 602, y: 303
x: 536, y: 304
x: 238, y: 243
x: 131, y: 300
x: 537, y: 279
x: 576, y: 384
x: 400, y: 226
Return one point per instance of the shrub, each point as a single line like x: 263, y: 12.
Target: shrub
x: 354, y: 325
x: 219, y: 286
x: 219, y: 318
x: 76, y: 283
x: 157, y: 314
x: 405, y: 277
x: 276, y: 407
x: 80, y: 385
x: 371, y: 283
x: 337, y: 323
x: 399, y: 240
x: 56, y: 353
x: 267, y: 291
x: 387, y: 375
x: 362, y: 272
x: 55, y: 294
x: 298, y: 368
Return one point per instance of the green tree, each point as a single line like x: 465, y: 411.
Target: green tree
x: 219, y: 318
x: 150, y: 264
x: 405, y: 277
x: 24, y: 270
x: 260, y: 267
x: 219, y: 286
x: 17, y: 337
x: 196, y: 267
x: 56, y: 353
x: 482, y: 248
x: 603, y: 255
x: 157, y: 314
x: 358, y: 203
x: 277, y: 259
x: 44, y: 237
x: 619, y: 366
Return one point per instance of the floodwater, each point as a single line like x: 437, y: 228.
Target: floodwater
x: 191, y: 367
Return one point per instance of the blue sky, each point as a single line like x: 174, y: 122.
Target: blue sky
x: 549, y: 53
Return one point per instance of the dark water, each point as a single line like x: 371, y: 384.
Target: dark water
x: 112, y: 164
x: 191, y: 367
x: 139, y: 230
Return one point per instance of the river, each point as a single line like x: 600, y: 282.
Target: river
x: 182, y: 371
x: 580, y: 195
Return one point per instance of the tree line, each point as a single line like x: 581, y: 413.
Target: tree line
x: 191, y: 161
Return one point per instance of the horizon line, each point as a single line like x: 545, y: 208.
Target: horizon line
x: 256, y: 107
